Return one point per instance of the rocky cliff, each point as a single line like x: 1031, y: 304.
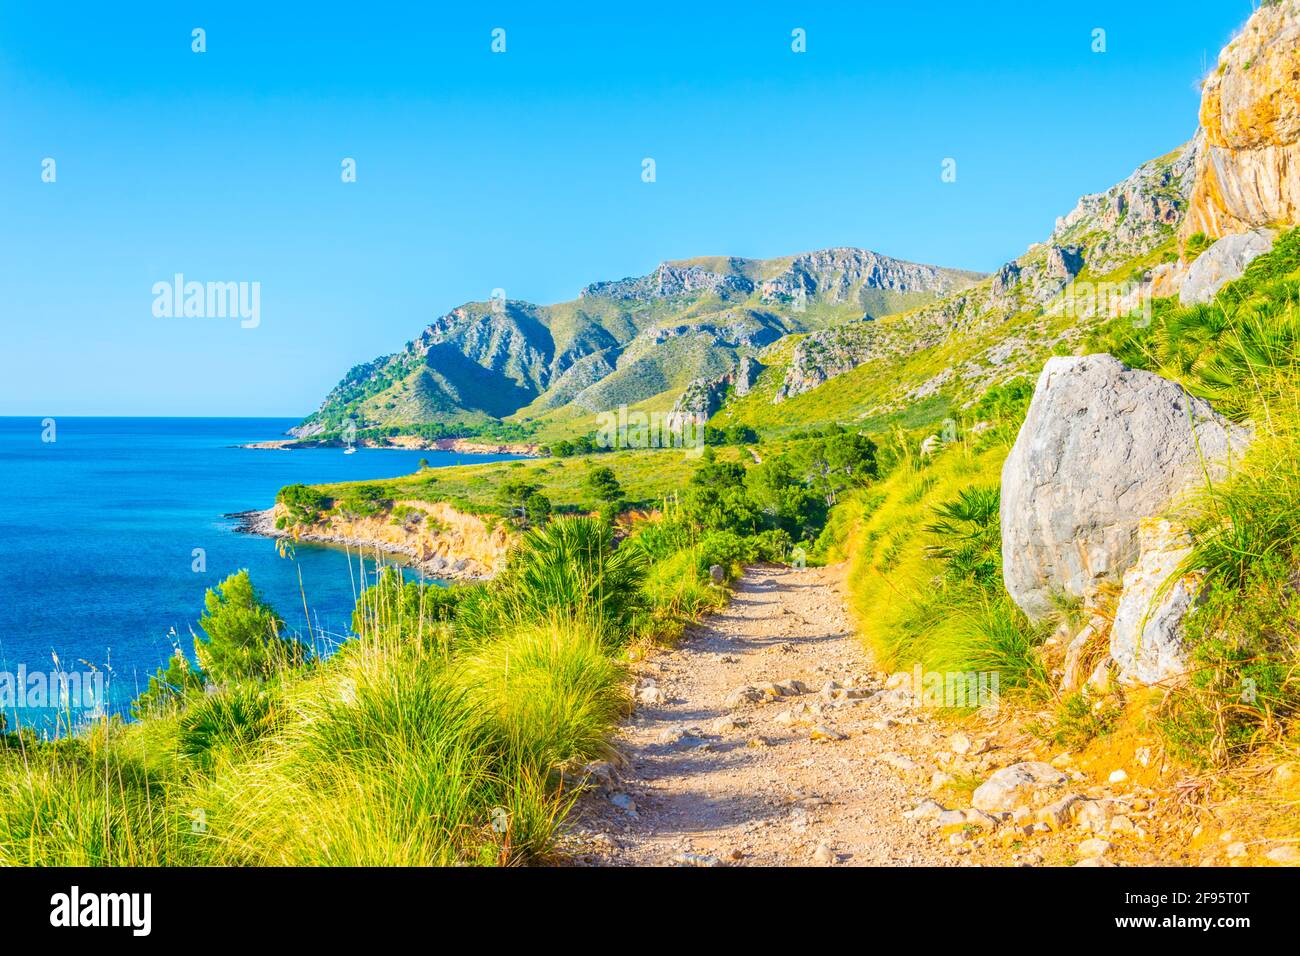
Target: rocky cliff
x: 1248, y: 173
x: 435, y: 537
x: 1102, y: 232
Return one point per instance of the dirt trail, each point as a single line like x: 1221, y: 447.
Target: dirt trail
x: 768, y: 738
x: 708, y: 780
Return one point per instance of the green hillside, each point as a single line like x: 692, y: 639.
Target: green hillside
x: 620, y: 342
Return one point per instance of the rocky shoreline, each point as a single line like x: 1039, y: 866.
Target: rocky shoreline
x: 454, y: 558
x: 465, y: 446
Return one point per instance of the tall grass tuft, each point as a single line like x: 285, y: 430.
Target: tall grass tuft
x: 549, y: 691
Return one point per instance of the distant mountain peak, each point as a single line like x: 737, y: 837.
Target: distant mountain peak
x: 626, y: 340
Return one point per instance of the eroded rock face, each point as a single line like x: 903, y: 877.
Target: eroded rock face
x: 1221, y: 263
x: 1248, y: 175
x: 444, y: 542
x: 1146, y: 639
x: 1135, y: 215
x: 704, y: 396
x: 1102, y: 447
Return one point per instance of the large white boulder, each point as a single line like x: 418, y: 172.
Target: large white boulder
x: 1102, y: 447
x: 1221, y: 263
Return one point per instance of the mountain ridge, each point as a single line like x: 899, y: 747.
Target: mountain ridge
x: 621, y: 341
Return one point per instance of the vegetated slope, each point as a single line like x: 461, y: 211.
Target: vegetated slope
x: 619, y: 342
x: 946, y: 353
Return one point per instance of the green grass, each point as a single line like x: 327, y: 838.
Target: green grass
x: 448, y: 732
x: 647, y: 476
x: 1244, y: 691
x: 921, y: 589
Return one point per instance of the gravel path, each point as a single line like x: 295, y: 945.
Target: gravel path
x: 794, y: 778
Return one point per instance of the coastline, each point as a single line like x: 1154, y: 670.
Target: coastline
x: 466, y: 446
x: 462, y: 549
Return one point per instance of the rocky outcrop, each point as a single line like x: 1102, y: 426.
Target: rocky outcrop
x: 1146, y: 638
x: 837, y: 276
x: 1103, y: 231
x: 1064, y: 262
x: 819, y: 357
x: 704, y: 396
x: 620, y: 342
x: 1221, y: 263
x: 509, y: 340
x: 1134, y: 215
x: 440, y: 540
x: 1102, y: 446
x: 1248, y: 174
x: 670, y: 281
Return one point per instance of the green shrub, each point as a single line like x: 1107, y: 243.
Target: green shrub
x: 364, y: 501
x: 226, y: 723
x: 969, y: 537
x: 569, y: 568
x: 244, y: 637
x: 1078, y: 720
x: 169, y: 687
x: 304, y: 503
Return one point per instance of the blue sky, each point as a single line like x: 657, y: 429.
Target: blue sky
x: 520, y: 170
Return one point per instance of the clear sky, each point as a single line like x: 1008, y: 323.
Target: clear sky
x: 519, y: 170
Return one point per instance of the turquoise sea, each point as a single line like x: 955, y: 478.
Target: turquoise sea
x: 98, y: 531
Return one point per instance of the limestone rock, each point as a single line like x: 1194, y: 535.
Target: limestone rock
x: 939, y: 779
x: 650, y: 695
x: 1221, y: 263
x: 978, y: 818
x: 1094, y: 846
x: 823, y: 734
x: 899, y: 762
x: 1133, y: 216
x: 1146, y: 639
x: 926, y: 810
x: 624, y: 803
x: 1094, y: 815
x: 728, y: 723
x: 1248, y: 174
x: 949, y: 819
x: 801, y: 714
x: 741, y: 696
x: 1058, y: 813
x: 1102, y: 446
x: 1284, y: 855
x: 1020, y: 784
